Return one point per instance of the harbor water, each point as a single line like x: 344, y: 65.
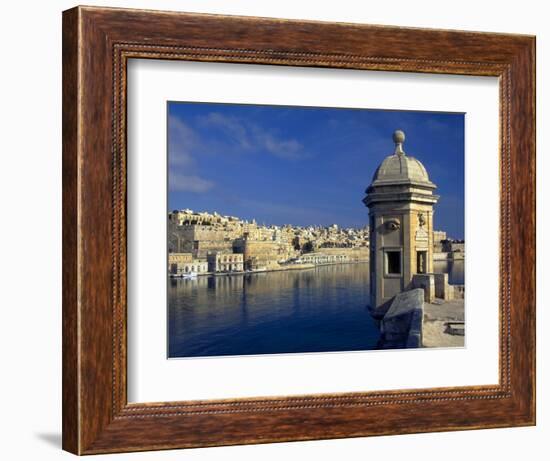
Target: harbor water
x: 322, y: 309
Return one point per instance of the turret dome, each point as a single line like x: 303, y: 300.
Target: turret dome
x: 400, y: 168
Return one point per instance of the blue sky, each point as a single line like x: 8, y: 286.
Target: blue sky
x: 302, y: 165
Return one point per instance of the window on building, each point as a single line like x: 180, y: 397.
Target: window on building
x: 421, y: 258
x: 393, y: 262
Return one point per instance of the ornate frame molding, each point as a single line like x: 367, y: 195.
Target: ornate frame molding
x: 97, y: 44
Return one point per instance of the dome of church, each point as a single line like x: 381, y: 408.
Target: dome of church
x: 400, y: 168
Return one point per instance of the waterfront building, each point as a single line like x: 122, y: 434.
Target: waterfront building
x: 439, y: 238
x: 201, y: 239
x: 180, y: 264
x: 264, y: 247
x: 225, y: 262
x: 453, y: 249
x: 264, y: 254
x: 400, y: 199
x: 335, y: 256
x: 453, y: 246
x: 321, y: 258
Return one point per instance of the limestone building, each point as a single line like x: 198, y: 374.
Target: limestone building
x: 200, y: 234
x: 400, y: 201
x: 180, y: 264
x: 439, y: 236
x: 264, y: 254
x: 225, y: 262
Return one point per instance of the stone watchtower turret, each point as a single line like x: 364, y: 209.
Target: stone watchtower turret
x: 400, y: 200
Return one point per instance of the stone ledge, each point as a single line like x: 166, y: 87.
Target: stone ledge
x: 401, y: 327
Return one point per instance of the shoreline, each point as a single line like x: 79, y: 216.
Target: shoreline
x: 290, y: 267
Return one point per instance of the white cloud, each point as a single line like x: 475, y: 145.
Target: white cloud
x: 189, y: 183
x: 250, y: 137
x: 183, y: 142
x: 231, y: 127
x: 287, y: 149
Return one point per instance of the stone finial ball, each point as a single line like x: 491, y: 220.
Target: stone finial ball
x: 398, y: 137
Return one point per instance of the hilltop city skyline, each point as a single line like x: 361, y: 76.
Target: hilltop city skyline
x: 271, y: 164
x: 267, y: 224
x: 287, y: 224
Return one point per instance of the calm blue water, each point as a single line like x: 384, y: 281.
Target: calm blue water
x: 312, y: 310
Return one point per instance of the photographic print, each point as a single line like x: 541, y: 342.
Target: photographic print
x: 311, y: 229
x: 264, y: 235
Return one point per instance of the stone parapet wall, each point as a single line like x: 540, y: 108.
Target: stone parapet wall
x: 401, y: 326
x: 442, y: 288
x: 427, y: 283
x: 436, y: 285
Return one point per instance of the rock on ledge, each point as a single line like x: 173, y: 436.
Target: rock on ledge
x: 401, y: 327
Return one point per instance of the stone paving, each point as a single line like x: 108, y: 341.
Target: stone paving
x: 435, y: 332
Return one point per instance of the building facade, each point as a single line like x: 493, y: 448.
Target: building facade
x: 400, y: 199
x: 322, y: 258
x: 225, y: 262
x: 180, y: 264
x: 263, y: 247
x: 439, y: 238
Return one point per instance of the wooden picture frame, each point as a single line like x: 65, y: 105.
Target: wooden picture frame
x: 97, y: 43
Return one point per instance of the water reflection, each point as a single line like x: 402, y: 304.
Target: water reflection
x: 455, y: 269
x: 315, y: 310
